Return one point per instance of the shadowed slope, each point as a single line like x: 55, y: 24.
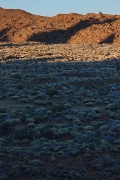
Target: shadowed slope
x: 20, y: 26
x: 64, y: 36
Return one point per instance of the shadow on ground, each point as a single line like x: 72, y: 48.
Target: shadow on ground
x: 109, y: 39
x: 62, y: 36
x: 34, y: 77
x: 3, y: 35
x: 38, y: 60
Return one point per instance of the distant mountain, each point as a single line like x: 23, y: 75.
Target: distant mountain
x: 19, y: 26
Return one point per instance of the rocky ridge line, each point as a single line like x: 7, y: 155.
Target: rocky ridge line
x: 20, y: 26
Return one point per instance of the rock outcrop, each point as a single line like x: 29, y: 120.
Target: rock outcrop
x: 20, y: 26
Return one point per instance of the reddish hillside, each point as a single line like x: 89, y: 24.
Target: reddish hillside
x: 19, y: 26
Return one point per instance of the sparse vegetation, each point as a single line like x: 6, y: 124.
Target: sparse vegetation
x: 59, y: 113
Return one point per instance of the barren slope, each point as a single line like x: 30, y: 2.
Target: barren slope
x: 20, y: 26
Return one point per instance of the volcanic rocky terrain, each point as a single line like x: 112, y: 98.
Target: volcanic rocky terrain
x: 19, y: 26
x: 59, y: 101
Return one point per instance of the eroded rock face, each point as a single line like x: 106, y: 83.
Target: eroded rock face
x: 19, y: 26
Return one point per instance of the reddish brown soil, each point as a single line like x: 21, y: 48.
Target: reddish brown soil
x: 19, y: 26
